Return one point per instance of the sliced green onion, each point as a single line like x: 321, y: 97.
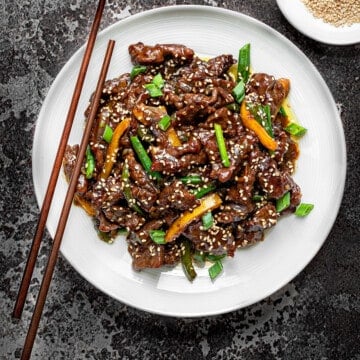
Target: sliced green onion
x: 153, y: 90
x: 143, y: 157
x: 199, y: 193
x: 207, y: 220
x: 262, y: 115
x: 123, y: 232
x: 214, y: 258
x: 136, y: 70
x: 295, y: 129
x: 283, y: 202
x: 221, y: 145
x: 199, y: 258
x: 191, y: 179
x: 186, y: 261
x: 282, y: 111
x: 164, y: 122
x: 158, y: 81
x: 157, y: 236
x: 141, y: 152
x: 105, y: 236
x: 215, y: 269
x: 303, y: 209
x: 89, y: 163
x: 244, y: 62
x: 108, y: 133
x: 257, y: 197
x: 239, y: 91
x: 268, y: 123
x: 125, y: 177
x: 145, y: 134
x: 233, y: 107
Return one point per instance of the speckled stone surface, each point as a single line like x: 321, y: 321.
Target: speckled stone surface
x: 316, y: 316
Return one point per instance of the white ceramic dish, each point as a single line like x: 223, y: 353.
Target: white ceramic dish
x: 254, y: 273
x: 303, y: 20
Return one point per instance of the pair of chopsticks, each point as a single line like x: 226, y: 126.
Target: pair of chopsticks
x: 19, y: 305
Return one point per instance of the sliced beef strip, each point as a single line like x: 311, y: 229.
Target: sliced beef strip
x: 148, y: 115
x: 191, y: 102
x: 271, y: 180
x: 295, y: 196
x: 191, y: 146
x: 244, y: 239
x: 219, y: 65
x: 265, y: 89
x: 177, y: 196
x: 231, y: 213
x: 151, y: 256
x: 217, y: 240
x: 213, y: 68
x: 173, y: 159
x: 210, y: 146
x: 145, y: 198
x: 242, y: 192
x: 287, y: 152
x: 170, y: 165
x: 154, y: 256
x: 69, y: 161
x: 142, y: 235
x: 142, y: 189
x: 116, y: 85
x: 199, y: 106
x: 283, y: 143
x: 146, y: 54
x: 263, y: 218
x: 251, y: 230
x: 222, y: 173
x: 274, y: 182
x: 122, y: 217
x: 230, y: 122
x: 105, y: 225
x: 105, y: 193
x: 146, y: 253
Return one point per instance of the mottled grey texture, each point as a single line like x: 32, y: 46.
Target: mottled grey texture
x: 316, y: 316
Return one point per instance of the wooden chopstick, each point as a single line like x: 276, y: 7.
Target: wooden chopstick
x: 29, y: 268
x: 29, y: 341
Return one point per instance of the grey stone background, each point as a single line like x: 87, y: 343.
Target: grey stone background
x: 316, y: 316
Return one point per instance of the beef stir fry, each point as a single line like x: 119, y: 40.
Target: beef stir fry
x: 192, y: 157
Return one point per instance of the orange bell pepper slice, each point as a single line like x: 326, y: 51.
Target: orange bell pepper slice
x: 87, y: 206
x: 249, y: 121
x: 207, y: 203
x: 113, y: 148
x: 173, y: 137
